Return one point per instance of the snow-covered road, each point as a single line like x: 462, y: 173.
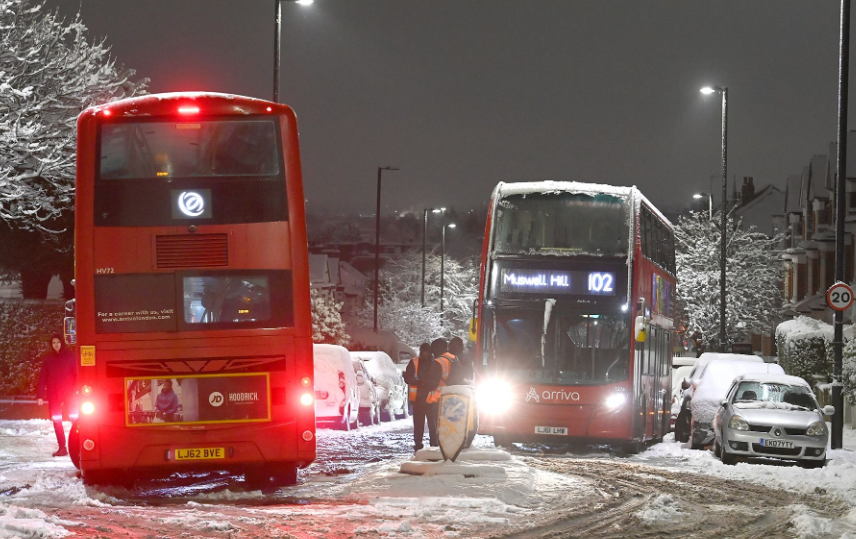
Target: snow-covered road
x: 355, y: 489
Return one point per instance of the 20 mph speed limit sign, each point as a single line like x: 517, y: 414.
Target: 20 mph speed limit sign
x: 839, y: 296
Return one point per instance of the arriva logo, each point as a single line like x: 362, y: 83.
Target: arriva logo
x: 533, y: 394
x: 215, y: 399
x: 191, y: 204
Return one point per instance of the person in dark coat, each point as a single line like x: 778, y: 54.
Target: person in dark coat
x: 58, y: 384
x: 462, y: 367
x: 166, y: 403
x: 423, y: 375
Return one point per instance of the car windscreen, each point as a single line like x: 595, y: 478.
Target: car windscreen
x: 775, y: 392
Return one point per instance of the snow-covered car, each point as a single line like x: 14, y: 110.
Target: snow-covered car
x: 369, y: 401
x: 712, y: 389
x: 771, y: 415
x: 337, y: 397
x: 678, y: 377
x: 682, y: 419
x: 392, y: 391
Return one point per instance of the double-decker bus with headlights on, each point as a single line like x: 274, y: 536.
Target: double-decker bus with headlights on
x: 193, y: 322
x: 575, y: 316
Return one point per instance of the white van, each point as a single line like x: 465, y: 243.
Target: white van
x: 337, y: 395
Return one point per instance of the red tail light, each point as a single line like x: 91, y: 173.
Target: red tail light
x: 188, y: 109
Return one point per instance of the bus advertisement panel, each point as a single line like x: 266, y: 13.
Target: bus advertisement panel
x: 567, y: 280
x: 193, y: 321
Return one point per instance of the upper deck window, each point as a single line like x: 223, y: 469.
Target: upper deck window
x: 189, y: 149
x: 562, y: 223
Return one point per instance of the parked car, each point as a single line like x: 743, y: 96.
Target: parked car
x: 682, y: 425
x: 771, y: 415
x: 712, y: 389
x: 337, y: 397
x: 392, y: 391
x: 678, y: 377
x: 369, y: 401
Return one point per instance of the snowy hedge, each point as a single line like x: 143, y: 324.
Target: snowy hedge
x: 25, y: 327
x: 805, y: 347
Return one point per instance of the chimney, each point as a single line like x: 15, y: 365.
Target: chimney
x: 747, y: 192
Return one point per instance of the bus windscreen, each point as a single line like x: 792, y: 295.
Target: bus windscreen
x: 189, y: 149
x: 562, y: 223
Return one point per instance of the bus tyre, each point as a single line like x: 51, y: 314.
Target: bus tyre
x: 74, y: 445
x: 500, y: 440
x: 272, y: 475
x: 115, y: 477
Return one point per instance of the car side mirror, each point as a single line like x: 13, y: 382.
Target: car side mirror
x: 829, y: 410
x: 724, y: 403
x: 686, y: 383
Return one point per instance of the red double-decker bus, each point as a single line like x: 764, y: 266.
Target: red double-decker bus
x: 192, y: 290
x: 575, y: 315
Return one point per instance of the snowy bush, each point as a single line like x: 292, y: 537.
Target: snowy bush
x: 327, y: 325
x: 848, y: 370
x: 805, y: 347
x: 25, y: 327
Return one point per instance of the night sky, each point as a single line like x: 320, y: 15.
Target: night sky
x: 463, y: 94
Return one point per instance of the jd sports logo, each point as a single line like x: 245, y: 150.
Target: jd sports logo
x: 216, y: 399
x: 191, y: 204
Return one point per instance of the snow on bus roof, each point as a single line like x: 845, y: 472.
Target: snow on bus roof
x: 552, y: 186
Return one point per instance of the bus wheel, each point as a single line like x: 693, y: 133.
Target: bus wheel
x: 74, y: 445
x: 115, y: 477
x: 272, y: 475
x: 501, y: 441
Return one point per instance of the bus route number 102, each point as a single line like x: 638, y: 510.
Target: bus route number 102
x: 600, y: 282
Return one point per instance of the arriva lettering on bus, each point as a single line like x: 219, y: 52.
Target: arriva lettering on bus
x: 560, y: 394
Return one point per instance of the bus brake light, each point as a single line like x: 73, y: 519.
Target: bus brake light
x: 188, y: 109
x: 88, y: 408
x: 307, y: 400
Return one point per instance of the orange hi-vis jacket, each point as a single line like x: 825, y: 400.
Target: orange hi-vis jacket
x: 445, y: 360
x: 411, y: 392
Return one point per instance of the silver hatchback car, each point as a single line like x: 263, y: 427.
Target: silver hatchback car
x: 771, y: 415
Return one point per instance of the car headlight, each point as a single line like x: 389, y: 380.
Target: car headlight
x: 818, y: 428
x: 738, y: 423
x: 494, y: 396
x: 615, y: 400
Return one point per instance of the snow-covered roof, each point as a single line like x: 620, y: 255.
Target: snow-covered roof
x: 774, y: 377
x: 804, y: 327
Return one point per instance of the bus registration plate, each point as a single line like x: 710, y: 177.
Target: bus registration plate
x: 784, y: 444
x: 552, y: 430
x: 200, y: 453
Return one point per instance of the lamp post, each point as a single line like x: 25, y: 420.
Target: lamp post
x: 722, y: 91
x: 424, y: 234
x: 377, y: 242
x: 443, y: 262
x: 709, y: 202
x: 277, y: 42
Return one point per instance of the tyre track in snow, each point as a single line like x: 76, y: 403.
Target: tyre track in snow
x: 687, y: 505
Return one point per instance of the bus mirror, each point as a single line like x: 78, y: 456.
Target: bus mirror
x: 474, y: 329
x: 641, y: 334
x: 70, y: 330
x: 69, y: 307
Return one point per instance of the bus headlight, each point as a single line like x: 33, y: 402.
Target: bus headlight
x: 494, y: 396
x: 615, y: 400
x: 88, y: 408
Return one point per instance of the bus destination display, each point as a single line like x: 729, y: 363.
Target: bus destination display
x: 576, y: 283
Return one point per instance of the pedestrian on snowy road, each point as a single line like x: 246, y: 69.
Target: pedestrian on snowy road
x: 58, y: 384
x: 423, y: 376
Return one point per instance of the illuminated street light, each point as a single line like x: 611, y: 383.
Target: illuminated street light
x: 709, y: 202
x: 443, y: 262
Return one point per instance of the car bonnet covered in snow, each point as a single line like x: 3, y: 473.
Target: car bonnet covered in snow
x: 380, y: 367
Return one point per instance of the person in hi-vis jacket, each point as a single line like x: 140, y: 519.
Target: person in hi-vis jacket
x: 423, y: 376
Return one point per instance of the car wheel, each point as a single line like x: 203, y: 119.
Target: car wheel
x: 810, y: 464
x: 717, y: 450
x: 725, y: 457
x: 345, y: 422
x: 385, y: 413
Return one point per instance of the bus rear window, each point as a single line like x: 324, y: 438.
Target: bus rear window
x: 189, y: 149
x: 232, y: 299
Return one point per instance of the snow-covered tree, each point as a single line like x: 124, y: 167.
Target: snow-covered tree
x: 49, y: 73
x: 753, y: 278
x: 327, y: 325
x: 400, y: 303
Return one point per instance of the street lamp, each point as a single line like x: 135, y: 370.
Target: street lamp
x: 424, y: 233
x: 443, y: 262
x: 377, y: 242
x: 277, y: 42
x: 709, y: 202
x: 723, y: 91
